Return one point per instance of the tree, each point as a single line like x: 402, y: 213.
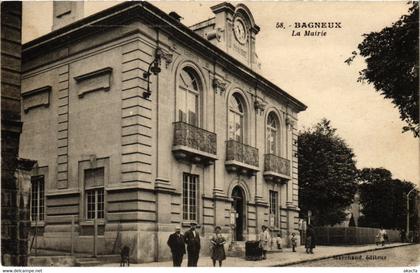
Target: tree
x: 392, y: 62
x: 383, y: 199
x: 376, y: 198
x: 327, y: 174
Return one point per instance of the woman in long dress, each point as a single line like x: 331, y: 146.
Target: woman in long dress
x: 310, y: 240
x: 218, y: 249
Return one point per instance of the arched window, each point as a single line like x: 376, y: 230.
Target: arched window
x: 188, y: 96
x: 236, y: 118
x: 272, y: 133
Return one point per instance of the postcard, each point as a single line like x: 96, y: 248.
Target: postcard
x: 210, y: 134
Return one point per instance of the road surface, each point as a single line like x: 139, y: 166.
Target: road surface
x: 405, y: 256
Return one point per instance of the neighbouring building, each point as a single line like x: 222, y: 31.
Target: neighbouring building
x: 144, y: 124
x: 15, y: 172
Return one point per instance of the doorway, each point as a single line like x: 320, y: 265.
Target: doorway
x: 239, y: 206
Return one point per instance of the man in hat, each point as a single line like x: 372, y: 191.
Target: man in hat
x: 177, y: 245
x: 192, y: 239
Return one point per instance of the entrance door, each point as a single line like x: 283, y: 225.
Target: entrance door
x: 239, y: 207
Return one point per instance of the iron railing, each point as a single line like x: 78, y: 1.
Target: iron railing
x: 241, y: 152
x: 277, y: 164
x: 194, y: 137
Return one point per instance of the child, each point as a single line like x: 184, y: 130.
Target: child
x: 278, y: 241
x: 293, y: 240
x: 378, y: 239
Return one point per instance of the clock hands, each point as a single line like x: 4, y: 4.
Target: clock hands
x: 240, y: 32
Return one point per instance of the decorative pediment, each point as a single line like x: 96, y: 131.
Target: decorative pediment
x: 98, y: 80
x: 36, y: 98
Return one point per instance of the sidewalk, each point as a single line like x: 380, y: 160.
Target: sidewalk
x: 285, y: 258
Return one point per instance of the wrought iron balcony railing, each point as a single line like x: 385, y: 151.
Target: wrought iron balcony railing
x: 242, y: 157
x: 276, y: 167
x: 193, y: 142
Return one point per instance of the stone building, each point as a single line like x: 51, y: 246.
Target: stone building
x: 15, y: 172
x: 143, y: 124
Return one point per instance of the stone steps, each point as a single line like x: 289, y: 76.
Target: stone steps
x: 63, y: 261
x: 87, y: 262
x: 53, y: 252
x: 236, y: 249
x: 47, y: 257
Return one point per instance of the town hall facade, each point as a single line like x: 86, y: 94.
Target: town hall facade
x: 139, y: 124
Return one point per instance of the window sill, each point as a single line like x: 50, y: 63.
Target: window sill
x: 37, y: 224
x: 188, y: 224
x: 91, y: 223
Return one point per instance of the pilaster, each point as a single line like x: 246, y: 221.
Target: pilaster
x: 63, y: 127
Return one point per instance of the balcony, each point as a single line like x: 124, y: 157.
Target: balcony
x: 241, y: 158
x: 276, y: 169
x: 193, y: 144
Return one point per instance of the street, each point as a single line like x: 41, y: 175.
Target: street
x: 300, y: 258
x: 399, y: 256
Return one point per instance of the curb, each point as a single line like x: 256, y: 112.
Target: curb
x: 335, y: 255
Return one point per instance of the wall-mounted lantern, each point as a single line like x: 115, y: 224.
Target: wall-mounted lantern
x: 154, y: 68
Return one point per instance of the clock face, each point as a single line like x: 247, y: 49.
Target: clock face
x: 239, y: 30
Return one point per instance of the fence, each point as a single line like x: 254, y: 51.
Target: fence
x: 351, y: 235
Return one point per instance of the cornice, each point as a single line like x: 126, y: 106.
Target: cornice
x: 129, y: 11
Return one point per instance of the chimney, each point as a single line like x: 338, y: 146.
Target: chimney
x: 176, y: 16
x: 66, y: 12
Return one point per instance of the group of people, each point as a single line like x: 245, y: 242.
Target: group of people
x: 265, y: 239
x: 191, y: 239
x: 189, y: 243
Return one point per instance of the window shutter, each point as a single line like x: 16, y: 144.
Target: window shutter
x: 182, y: 116
x: 192, y: 118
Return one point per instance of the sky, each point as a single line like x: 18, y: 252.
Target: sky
x: 312, y: 69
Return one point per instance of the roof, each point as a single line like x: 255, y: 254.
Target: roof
x: 132, y: 10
